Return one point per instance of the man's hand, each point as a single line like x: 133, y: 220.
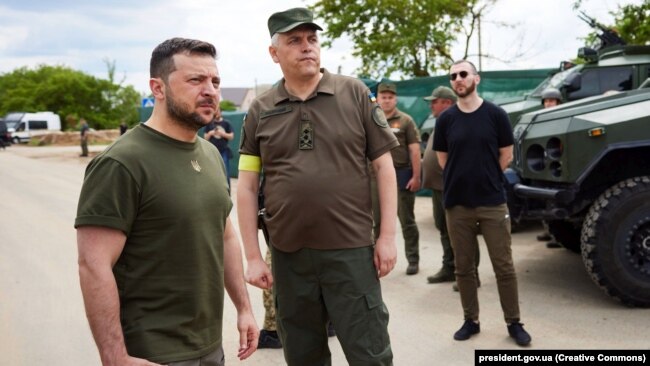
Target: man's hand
x: 414, y: 184
x: 248, y: 335
x: 385, y: 255
x: 258, y: 274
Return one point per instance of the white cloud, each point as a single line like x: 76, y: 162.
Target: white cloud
x: 81, y: 34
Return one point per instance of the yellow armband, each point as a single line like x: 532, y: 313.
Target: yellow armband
x: 250, y: 163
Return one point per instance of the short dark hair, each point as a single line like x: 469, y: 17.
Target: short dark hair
x: 474, y: 70
x: 162, y: 62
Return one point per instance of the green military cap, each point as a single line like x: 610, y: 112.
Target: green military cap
x: 287, y: 20
x: 387, y: 87
x: 441, y: 92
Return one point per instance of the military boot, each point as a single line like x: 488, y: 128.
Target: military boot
x: 446, y: 274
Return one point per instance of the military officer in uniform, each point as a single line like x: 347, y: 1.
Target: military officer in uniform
x: 312, y: 134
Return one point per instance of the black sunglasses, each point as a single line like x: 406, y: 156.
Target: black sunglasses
x: 462, y: 74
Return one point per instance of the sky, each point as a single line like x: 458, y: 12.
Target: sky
x: 85, y: 34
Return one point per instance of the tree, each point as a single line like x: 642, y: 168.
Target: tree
x: 411, y: 37
x: 69, y: 93
x: 227, y: 105
x: 633, y: 23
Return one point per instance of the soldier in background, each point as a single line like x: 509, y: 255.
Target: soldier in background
x: 406, y: 160
x: 551, y: 97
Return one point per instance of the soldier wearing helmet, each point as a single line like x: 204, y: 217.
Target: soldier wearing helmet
x: 551, y: 97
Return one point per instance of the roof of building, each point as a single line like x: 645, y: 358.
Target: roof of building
x: 235, y: 95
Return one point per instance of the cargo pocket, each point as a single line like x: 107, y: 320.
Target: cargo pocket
x: 377, y: 322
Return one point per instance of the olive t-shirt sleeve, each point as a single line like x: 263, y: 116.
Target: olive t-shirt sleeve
x: 248, y: 142
x: 412, y: 133
x: 109, y: 196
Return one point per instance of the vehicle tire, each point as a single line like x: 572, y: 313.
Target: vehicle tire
x: 566, y: 233
x: 16, y: 140
x: 616, y: 241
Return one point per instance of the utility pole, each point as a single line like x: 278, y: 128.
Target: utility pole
x: 480, y: 51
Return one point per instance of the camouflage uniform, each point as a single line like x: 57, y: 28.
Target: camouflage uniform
x: 269, y: 303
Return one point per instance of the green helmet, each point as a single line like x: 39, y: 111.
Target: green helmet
x: 551, y: 93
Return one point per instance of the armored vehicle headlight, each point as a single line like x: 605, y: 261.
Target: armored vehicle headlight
x: 535, y: 157
x: 556, y: 168
x: 554, y: 148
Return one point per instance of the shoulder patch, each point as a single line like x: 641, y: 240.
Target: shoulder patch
x: 242, y: 132
x: 379, y: 117
x: 273, y: 112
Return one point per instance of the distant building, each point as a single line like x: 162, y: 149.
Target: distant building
x: 242, y: 97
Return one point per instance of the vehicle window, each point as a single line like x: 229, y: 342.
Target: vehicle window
x: 616, y: 78
x: 558, y: 79
x: 598, y: 81
x: 21, y: 127
x: 37, y: 125
x: 14, y: 117
x: 589, y: 86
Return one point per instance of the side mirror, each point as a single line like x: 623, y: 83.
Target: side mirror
x: 573, y: 82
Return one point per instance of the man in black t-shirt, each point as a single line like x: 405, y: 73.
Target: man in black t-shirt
x: 219, y: 132
x: 473, y: 142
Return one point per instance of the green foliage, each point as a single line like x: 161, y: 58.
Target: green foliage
x: 633, y: 23
x: 227, y: 105
x: 69, y: 93
x: 411, y: 37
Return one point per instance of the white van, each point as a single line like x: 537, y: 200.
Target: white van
x: 23, y: 126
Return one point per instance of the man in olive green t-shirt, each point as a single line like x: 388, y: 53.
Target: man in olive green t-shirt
x: 156, y: 246
x: 406, y: 160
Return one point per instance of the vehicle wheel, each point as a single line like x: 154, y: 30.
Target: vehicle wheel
x: 616, y: 241
x: 566, y: 233
x: 16, y: 140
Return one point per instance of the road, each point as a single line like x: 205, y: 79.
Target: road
x: 42, y: 319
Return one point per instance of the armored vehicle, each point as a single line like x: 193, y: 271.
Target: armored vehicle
x: 584, y: 168
x: 612, y: 66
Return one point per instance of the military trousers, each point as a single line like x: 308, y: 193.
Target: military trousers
x: 494, y: 225
x: 441, y: 224
x: 406, y: 215
x: 214, y: 358
x: 312, y: 286
x: 440, y: 221
x: 84, y: 147
x: 267, y: 298
x: 410, y: 232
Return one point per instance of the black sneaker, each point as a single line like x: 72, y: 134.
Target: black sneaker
x: 269, y: 339
x: 468, y: 329
x: 553, y: 244
x: 516, y: 331
x: 544, y: 237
